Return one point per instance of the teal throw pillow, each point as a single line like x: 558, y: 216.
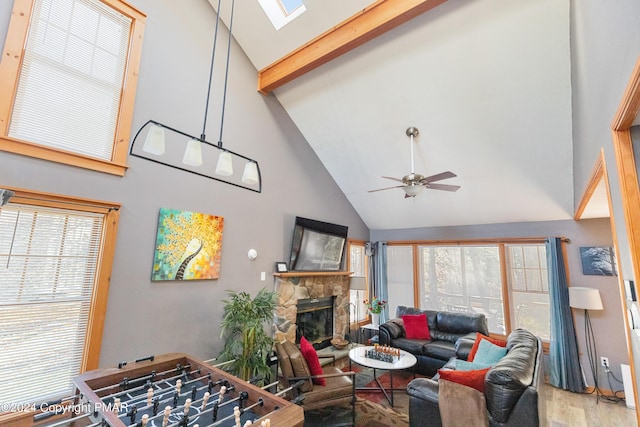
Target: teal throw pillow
x: 463, y: 365
x: 489, y: 353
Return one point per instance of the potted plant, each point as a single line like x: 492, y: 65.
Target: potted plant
x: 243, y: 325
x: 375, y: 307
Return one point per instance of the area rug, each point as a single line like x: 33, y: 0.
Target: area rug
x: 364, y: 378
x: 372, y: 408
x: 368, y: 414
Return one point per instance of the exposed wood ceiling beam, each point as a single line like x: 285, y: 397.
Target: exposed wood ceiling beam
x: 373, y: 21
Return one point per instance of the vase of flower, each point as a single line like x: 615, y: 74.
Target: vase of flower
x: 375, y: 307
x: 375, y: 319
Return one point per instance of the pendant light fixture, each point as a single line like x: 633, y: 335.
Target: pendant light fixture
x: 163, y: 144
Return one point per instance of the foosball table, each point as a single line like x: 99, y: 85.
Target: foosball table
x: 175, y: 390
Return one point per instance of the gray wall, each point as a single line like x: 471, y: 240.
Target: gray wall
x: 605, y: 44
x: 608, y: 324
x: 145, y: 317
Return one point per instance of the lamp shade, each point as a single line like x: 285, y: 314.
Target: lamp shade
x: 358, y: 283
x: 585, y: 298
x: 193, y: 153
x: 154, y: 142
x: 250, y: 174
x: 224, y: 166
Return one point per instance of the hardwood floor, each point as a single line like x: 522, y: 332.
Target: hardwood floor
x: 563, y: 408
x: 581, y: 410
x: 566, y: 409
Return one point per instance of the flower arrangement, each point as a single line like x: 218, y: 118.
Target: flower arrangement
x: 375, y: 306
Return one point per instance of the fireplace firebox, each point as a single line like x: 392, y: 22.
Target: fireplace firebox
x: 315, y: 321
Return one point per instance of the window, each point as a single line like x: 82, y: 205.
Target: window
x: 470, y: 278
x: 358, y: 264
x: 529, y: 288
x: 281, y: 12
x: 70, y: 91
x: 399, y: 277
x: 55, y: 260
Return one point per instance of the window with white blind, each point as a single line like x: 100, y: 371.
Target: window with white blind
x: 51, y: 265
x: 358, y: 264
x: 71, y: 87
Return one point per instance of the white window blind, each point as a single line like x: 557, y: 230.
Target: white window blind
x: 72, y: 75
x: 48, y: 262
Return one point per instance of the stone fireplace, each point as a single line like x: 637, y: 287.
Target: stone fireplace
x: 294, y: 286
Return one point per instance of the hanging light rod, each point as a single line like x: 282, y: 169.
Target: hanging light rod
x: 199, y: 155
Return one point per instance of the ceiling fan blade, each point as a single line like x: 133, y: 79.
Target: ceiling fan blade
x: 387, y: 188
x: 444, y: 187
x: 392, y: 178
x: 438, y: 177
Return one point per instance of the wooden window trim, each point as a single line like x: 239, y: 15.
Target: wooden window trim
x: 95, y: 325
x: 11, y: 64
x: 500, y: 243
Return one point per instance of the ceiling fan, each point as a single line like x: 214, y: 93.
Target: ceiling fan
x: 414, y: 183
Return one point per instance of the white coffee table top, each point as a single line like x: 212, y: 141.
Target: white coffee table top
x: 406, y: 360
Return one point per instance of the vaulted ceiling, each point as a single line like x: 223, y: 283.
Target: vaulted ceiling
x: 486, y: 82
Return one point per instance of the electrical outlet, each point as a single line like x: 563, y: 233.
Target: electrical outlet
x: 604, y: 361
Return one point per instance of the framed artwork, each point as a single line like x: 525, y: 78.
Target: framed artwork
x: 630, y: 290
x: 281, y: 267
x: 597, y: 261
x: 188, y: 246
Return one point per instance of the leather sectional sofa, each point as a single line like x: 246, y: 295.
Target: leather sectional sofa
x: 512, y: 388
x: 452, y: 335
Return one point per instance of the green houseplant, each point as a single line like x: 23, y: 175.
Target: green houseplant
x: 243, y: 327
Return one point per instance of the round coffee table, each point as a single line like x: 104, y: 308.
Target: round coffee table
x: 406, y: 361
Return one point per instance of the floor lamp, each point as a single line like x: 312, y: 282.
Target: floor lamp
x: 588, y: 299
x: 357, y: 283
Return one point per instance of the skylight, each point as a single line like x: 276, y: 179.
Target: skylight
x: 281, y: 12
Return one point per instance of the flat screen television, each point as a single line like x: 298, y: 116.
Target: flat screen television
x: 317, y: 245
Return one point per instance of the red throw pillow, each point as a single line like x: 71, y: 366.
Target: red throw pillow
x: 311, y: 356
x: 480, y: 337
x: 473, y: 379
x: 416, y: 326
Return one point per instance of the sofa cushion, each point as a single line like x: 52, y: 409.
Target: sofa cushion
x: 479, y: 338
x: 489, y: 353
x: 311, y: 357
x: 463, y: 365
x: 401, y: 310
x: 474, y: 378
x: 415, y: 347
x: 460, y: 323
x: 443, y: 350
x: 416, y: 327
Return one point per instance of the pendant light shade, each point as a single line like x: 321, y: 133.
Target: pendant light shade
x: 225, y: 165
x: 198, y: 150
x: 154, y: 142
x: 193, y: 153
x: 250, y: 175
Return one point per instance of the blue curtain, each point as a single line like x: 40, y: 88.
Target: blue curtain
x: 378, y: 276
x: 563, y: 348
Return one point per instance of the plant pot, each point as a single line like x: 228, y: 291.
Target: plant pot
x: 375, y: 319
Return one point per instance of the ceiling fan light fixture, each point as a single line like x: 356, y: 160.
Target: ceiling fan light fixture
x: 413, y: 190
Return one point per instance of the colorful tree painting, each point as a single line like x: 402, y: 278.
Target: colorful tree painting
x: 188, y: 246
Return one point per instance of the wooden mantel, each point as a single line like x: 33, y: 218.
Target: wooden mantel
x: 313, y: 273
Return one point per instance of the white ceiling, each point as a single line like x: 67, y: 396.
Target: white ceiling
x: 487, y: 83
